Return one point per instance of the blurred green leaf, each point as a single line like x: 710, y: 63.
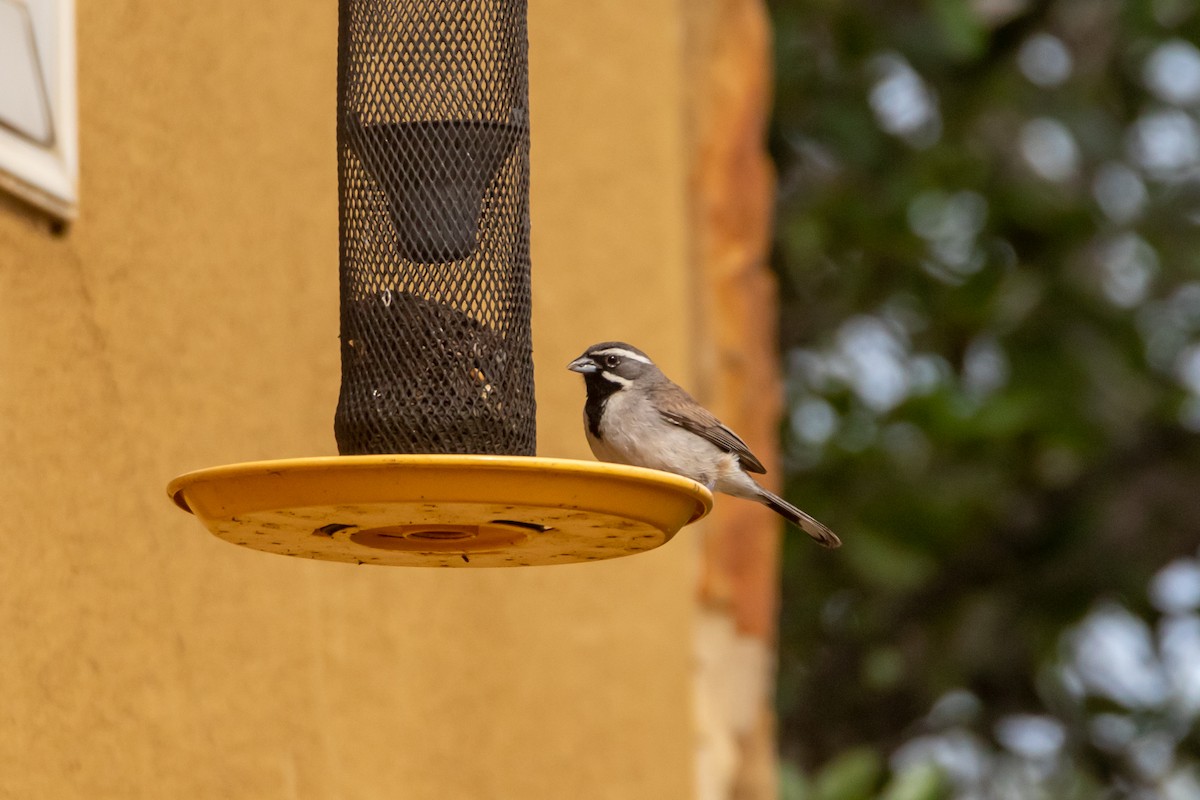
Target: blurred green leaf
x: 889, y: 562
x: 922, y: 781
x: 960, y: 28
x: 792, y: 783
x: 854, y: 775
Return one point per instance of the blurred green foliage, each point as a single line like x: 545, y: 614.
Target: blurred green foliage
x: 988, y: 244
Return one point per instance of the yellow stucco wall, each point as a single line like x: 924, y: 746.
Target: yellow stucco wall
x: 189, y: 319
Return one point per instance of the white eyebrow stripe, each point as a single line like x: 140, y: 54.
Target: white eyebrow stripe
x: 616, y: 378
x: 621, y: 351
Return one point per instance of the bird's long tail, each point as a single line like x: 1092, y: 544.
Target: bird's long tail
x: 822, y: 534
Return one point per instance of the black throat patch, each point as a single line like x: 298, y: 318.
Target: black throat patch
x: 599, y: 389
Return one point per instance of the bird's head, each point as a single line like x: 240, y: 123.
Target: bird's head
x: 613, y: 365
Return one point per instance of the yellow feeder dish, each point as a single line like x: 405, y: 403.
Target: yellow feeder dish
x: 442, y: 511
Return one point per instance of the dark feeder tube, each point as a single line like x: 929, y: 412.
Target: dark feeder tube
x: 433, y: 167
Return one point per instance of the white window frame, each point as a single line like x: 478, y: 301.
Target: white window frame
x: 47, y: 176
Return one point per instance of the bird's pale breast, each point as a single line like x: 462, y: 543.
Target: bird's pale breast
x: 643, y: 438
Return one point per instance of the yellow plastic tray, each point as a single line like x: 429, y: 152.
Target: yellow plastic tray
x: 442, y: 511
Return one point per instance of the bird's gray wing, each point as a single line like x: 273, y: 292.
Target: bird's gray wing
x: 677, y: 407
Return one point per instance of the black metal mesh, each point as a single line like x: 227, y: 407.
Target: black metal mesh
x: 433, y: 169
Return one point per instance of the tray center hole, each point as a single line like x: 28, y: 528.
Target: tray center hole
x: 441, y: 538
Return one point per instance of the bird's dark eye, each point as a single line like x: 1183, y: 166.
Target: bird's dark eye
x: 611, y: 361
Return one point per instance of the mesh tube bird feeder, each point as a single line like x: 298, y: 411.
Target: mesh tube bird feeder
x: 435, y: 419
x: 433, y: 167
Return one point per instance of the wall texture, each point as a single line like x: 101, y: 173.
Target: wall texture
x: 189, y: 319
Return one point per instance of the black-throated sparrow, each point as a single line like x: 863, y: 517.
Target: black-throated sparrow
x: 636, y: 415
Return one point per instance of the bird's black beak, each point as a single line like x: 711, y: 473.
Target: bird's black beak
x: 583, y: 365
